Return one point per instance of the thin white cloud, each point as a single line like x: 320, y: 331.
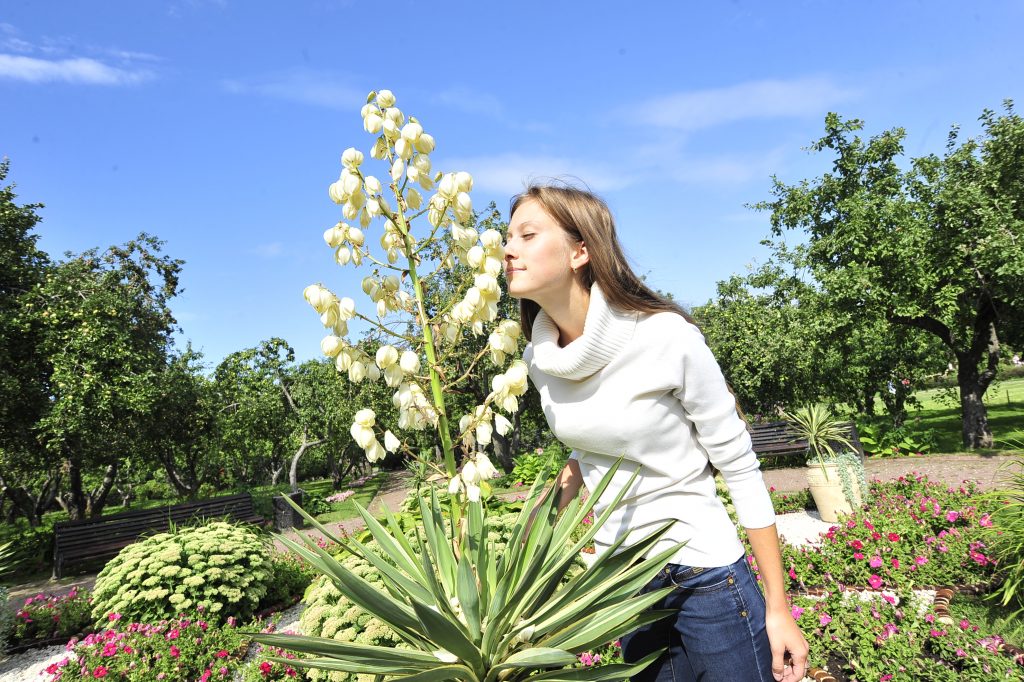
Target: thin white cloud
x: 484, y: 104
x: 271, y: 250
x: 307, y: 87
x: 510, y: 173
x: 78, y: 70
x: 700, y: 109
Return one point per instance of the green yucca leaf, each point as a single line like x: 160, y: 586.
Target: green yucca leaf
x: 469, y: 597
x: 394, y: 545
x: 448, y: 635
x: 602, y: 673
x: 536, y: 658
x: 347, y: 652
x: 442, y: 673
x: 438, y: 541
x: 596, y: 628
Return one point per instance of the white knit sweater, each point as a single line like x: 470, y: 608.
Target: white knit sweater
x: 647, y: 387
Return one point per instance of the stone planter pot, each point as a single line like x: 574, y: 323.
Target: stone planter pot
x: 827, y: 490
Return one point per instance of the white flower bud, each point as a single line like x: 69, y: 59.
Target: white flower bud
x: 343, y: 361
x: 362, y: 435
x: 367, y: 109
x: 422, y: 163
x: 391, y: 442
x: 335, y: 236
x: 397, y: 168
x: 369, y: 286
x: 390, y: 129
x: 501, y: 424
x: 412, y: 131
x: 484, y: 466
x: 355, y: 236
x: 364, y: 218
x: 372, y: 185
x: 394, y: 376
x: 464, y: 181
x: 394, y: 114
x: 463, y: 206
x: 391, y: 283
x: 410, y: 362
x: 372, y: 373
x: 329, y: 317
x: 403, y: 148
x: 331, y: 346
x: 352, y: 158
x: 346, y: 308
x: 475, y: 256
x: 493, y: 266
x: 357, y: 372
x: 498, y: 383
x: 340, y: 328
x: 425, y: 144
x: 470, y: 474
x: 373, y: 123
x: 455, y: 485
x: 380, y: 148
x: 365, y: 417
x: 473, y: 493
x: 491, y: 239
x: 350, y: 210
x: 483, y: 432
x: 342, y: 255
x: 386, y: 356
x: 385, y: 99
x: 375, y: 452
x: 448, y: 187
x: 413, y: 198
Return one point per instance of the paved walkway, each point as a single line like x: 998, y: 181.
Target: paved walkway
x: 949, y: 469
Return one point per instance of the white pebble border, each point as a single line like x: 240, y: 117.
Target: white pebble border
x: 800, y: 528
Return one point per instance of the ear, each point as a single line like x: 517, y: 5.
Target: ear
x: 579, y: 256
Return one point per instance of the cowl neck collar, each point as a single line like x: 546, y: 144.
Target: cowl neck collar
x: 606, y: 331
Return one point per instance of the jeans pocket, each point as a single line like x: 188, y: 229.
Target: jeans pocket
x: 700, y: 580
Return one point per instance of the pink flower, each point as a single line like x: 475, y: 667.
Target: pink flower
x: 921, y: 560
x: 874, y: 581
x: 265, y: 668
x: 985, y: 520
x: 858, y: 556
x: 894, y: 537
x: 109, y: 649
x: 825, y: 619
x: 857, y: 544
x: 100, y: 671
x: 792, y: 573
x: 952, y: 516
x: 797, y: 612
x: 111, y: 617
x: 895, y: 563
x: 875, y: 562
x: 175, y: 651
x: 221, y: 654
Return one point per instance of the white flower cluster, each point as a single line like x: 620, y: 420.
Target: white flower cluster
x: 387, y: 293
x: 480, y: 303
x: 474, y: 472
x: 347, y: 242
x: 365, y: 437
x: 396, y: 366
x: 415, y: 411
x: 506, y: 388
x: 477, y: 426
x: 334, y: 312
x: 503, y: 341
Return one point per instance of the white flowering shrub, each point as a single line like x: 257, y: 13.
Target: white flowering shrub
x: 217, y: 569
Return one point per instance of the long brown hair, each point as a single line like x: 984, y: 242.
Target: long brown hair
x: 585, y: 217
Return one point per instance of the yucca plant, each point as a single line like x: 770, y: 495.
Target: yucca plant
x: 821, y: 430
x: 468, y: 613
x: 1005, y: 535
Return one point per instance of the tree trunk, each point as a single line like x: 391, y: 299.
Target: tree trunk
x: 48, y: 495
x: 21, y: 500
x: 275, y: 473
x: 293, y: 471
x: 976, y: 431
x: 98, y: 498
x: 503, y: 451
x: 77, y: 505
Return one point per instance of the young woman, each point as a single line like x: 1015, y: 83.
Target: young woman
x: 622, y: 371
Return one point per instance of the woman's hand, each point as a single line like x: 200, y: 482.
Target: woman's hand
x: 789, y: 647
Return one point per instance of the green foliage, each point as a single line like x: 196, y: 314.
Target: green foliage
x: 932, y: 245
x: 220, y: 568
x: 1006, y: 536
x: 291, y: 577
x: 528, y: 465
x: 6, y: 619
x: 880, y: 438
x: 822, y: 431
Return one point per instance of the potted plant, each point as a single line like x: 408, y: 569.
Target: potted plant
x: 835, y: 473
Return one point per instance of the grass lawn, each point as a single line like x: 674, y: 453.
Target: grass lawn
x: 365, y: 493
x: 1005, y: 403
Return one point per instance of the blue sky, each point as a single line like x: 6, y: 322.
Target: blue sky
x: 218, y: 126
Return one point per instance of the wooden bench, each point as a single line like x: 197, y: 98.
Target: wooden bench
x: 777, y: 439
x: 105, y: 536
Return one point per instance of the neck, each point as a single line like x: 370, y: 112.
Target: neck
x: 569, y: 313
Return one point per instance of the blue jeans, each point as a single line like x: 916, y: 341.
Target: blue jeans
x: 718, y: 632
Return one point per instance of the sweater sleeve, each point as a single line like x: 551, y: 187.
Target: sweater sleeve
x: 720, y: 430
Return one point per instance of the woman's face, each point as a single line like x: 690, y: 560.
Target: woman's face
x: 539, y: 255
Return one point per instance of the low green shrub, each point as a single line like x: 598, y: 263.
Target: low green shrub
x: 155, y: 489
x: 6, y: 619
x: 291, y: 577
x: 881, y: 439
x: 218, y: 568
x: 1006, y: 535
